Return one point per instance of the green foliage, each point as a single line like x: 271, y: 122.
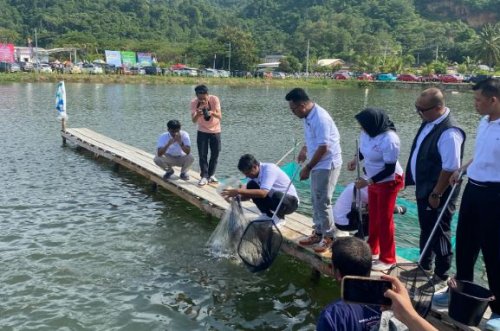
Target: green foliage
x: 375, y: 35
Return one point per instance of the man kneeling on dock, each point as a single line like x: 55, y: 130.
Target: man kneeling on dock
x: 266, y: 186
x: 174, y: 149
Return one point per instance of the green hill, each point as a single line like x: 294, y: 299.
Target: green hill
x: 396, y: 33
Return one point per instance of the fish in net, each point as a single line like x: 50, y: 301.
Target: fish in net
x: 225, y: 239
x: 260, y: 244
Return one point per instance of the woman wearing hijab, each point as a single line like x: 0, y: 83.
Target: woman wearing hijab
x: 379, y: 149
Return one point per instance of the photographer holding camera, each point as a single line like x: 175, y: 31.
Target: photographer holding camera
x: 206, y: 112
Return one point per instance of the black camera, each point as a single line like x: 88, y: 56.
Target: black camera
x: 206, y: 116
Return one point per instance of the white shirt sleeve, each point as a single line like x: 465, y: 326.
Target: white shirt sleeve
x: 449, y: 146
x: 268, y: 177
x: 185, y: 139
x: 390, y: 148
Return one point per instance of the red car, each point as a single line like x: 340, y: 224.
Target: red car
x: 365, y: 76
x: 430, y: 78
x: 341, y: 76
x: 408, y: 78
x: 450, y: 79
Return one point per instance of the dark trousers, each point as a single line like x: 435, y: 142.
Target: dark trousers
x: 440, y: 248
x: 269, y: 204
x: 205, y: 140
x: 479, y: 229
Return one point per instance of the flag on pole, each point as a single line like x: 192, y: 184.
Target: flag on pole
x: 61, y: 101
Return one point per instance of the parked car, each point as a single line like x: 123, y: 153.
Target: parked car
x: 386, y: 77
x: 451, y: 78
x: 9, y: 67
x: 92, y: 69
x: 364, y: 76
x: 109, y: 69
x: 476, y: 79
x: 137, y: 70
x: 408, y: 78
x: 152, y: 70
x: 341, y: 76
x: 207, y: 72
x: 43, y: 68
x: 278, y: 75
x: 26, y: 66
x: 186, y: 72
x: 430, y: 78
x: 224, y: 73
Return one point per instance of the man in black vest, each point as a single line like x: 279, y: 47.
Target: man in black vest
x: 435, y: 154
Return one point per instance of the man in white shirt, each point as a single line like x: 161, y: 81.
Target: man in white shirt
x: 267, y: 185
x: 174, y: 149
x: 436, y: 153
x: 478, y: 225
x: 322, y: 150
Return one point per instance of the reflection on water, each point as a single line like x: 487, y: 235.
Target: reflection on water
x: 85, y: 248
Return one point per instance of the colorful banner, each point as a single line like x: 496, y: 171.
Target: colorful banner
x: 113, y: 58
x: 128, y: 58
x: 144, y: 59
x: 7, y: 53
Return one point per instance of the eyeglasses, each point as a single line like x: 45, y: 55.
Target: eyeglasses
x: 423, y: 110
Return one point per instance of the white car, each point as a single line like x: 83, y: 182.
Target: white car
x: 88, y: 68
x: 44, y: 68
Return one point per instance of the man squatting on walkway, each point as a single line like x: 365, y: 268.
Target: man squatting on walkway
x: 436, y: 153
x: 322, y: 150
x: 266, y: 186
x: 174, y: 149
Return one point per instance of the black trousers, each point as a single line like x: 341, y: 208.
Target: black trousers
x: 440, y: 248
x: 269, y: 204
x: 479, y: 229
x: 204, y: 141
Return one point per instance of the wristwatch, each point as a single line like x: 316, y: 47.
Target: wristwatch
x: 434, y: 195
x: 369, y: 181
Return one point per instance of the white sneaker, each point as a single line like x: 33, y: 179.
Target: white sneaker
x: 213, y: 179
x: 378, y: 265
x: 203, y: 182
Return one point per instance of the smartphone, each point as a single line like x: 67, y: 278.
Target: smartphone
x: 365, y: 290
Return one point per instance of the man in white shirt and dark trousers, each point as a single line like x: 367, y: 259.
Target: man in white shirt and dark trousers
x: 436, y: 153
x: 266, y: 186
x: 322, y: 150
x: 478, y: 225
x: 174, y: 149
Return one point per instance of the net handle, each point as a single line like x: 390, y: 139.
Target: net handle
x: 443, y: 209
x: 286, y: 191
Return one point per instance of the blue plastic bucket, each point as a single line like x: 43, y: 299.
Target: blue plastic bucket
x: 468, y: 302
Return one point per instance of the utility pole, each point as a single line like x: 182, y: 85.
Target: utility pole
x: 36, y: 52
x: 229, y: 63
x: 437, y: 52
x: 215, y: 57
x: 307, y: 59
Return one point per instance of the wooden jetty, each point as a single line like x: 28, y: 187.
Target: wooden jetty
x: 207, y: 199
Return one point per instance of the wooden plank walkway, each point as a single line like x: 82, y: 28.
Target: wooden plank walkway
x: 207, y: 199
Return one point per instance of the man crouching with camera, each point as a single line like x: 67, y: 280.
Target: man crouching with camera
x: 206, y: 112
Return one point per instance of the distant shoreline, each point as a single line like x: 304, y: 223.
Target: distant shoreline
x: 311, y: 82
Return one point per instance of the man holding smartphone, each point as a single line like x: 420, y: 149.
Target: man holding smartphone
x: 350, y: 257
x: 174, y: 149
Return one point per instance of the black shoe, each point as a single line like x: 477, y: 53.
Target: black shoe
x: 184, y: 176
x: 168, y: 174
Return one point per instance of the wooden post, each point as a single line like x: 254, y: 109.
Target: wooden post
x: 63, y: 129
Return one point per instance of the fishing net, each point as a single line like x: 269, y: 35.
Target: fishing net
x: 260, y: 244
x: 416, y: 281
x: 224, y: 240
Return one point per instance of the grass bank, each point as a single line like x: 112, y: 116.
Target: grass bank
x: 310, y: 82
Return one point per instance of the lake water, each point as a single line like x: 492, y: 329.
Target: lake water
x: 85, y: 248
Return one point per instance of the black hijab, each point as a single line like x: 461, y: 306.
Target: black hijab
x: 374, y: 121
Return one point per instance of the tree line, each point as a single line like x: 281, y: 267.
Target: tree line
x: 374, y: 35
